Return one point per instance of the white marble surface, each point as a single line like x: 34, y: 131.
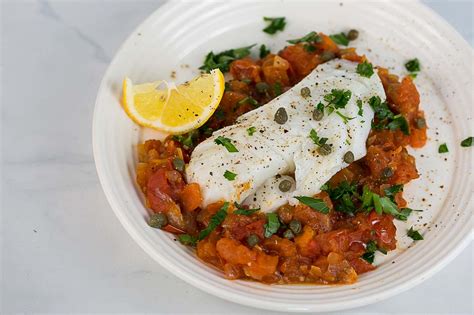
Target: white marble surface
x: 62, y: 248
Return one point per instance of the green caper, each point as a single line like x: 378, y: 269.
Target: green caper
x: 158, y: 220
x: 285, y: 185
x: 305, y: 92
x: 288, y: 234
x: 349, y: 157
x: 295, y: 226
x: 353, y: 34
x: 420, y: 123
x: 281, y: 116
x: 327, y: 55
x: 253, y: 240
x: 178, y: 164
x: 325, y: 149
x: 317, y: 114
x: 262, y: 87
x: 387, y: 172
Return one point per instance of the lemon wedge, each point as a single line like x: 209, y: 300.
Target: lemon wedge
x: 174, y: 109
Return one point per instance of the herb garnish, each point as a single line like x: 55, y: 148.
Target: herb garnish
x: 343, y: 196
x: 361, y: 110
x: 345, y: 118
x: 340, y: 39
x: 443, y: 148
x: 277, y: 89
x: 263, y: 51
x: 310, y: 38
x: 214, y: 222
x: 223, y: 59
x: 229, y: 175
x: 242, y: 211
x: 248, y: 99
x: 414, y: 235
x: 413, y: 65
x: 316, y: 139
x: 187, y: 139
x: 391, y: 191
x: 251, y: 130
x: 276, y: 24
x: 272, y: 225
x: 365, y: 69
x: 338, y: 98
x: 387, y: 119
x: 370, y: 249
x: 468, y: 142
x: 226, y: 142
x: 314, y: 203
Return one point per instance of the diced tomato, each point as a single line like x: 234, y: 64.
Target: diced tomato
x: 191, y: 197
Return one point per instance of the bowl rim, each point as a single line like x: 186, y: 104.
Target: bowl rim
x: 207, y: 287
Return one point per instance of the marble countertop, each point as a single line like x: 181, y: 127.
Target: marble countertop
x: 63, y: 250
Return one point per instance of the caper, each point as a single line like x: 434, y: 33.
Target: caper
x: 253, y: 240
x: 327, y: 55
x: 420, y: 123
x: 353, y: 34
x: 158, y: 220
x: 288, y: 234
x: 178, y: 164
x: 387, y: 172
x: 262, y: 87
x: 325, y: 149
x: 281, y: 116
x: 285, y: 185
x: 317, y: 114
x: 295, y: 226
x: 305, y: 92
x: 349, y: 157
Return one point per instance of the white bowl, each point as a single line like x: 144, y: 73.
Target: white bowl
x: 176, y: 38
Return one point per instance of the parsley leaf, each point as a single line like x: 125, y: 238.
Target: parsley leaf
x: 399, y: 122
x: 310, y: 38
x: 264, y: 51
x: 251, y: 130
x: 229, y: 175
x: 338, y: 98
x: 387, y: 119
x: 276, y: 24
x: 248, y: 99
x: 361, y: 110
x: 370, y: 249
x: 272, y: 225
x: 314, y: 203
x: 320, y: 107
x: 243, y: 211
x: 345, y: 119
x: 223, y: 59
x: 277, y: 88
x: 467, y: 142
x: 391, y: 191
x: 340, y: 39
x: 187, y: 139
x: 413, y: 65
x: 214, y: 222
x: 187, y: 239
x: 380, y: 108
x: 365, y: 69
x: 404, y: 214
x: 226, y: 142
x: 414, y: 235
x: 316, y: 139
x: 443, y: 148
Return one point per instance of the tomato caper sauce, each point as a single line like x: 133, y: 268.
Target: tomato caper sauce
x: 296, y: 244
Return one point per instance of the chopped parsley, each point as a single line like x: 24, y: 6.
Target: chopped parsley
x: 338, y: 98
x: 263, y: 51
x: 370, y: 249
x: 467, y: 142
x: 314, y: 203
x: 242, y: 211
x: 413, y: 65
x: 187, y: 139
x: 276, y: 24
x: 387, y: 119
x: 277, y: 88
x: 316, y: 139
x: 365, y: 69
x: 251, y: 130
x: 414, y: 235
x: 229, y: 175
x: 404, y: 214
x: 343, y: 195
x: 320, y: 107
x: 214, y: 222
x: 272, y: 225
x: 443, y: 148
x: 391, y: 191
x: 223, y: 59
x: 250, y: 100
x: 310, y: 38
x: 361, y: 110
x: 345, y: 118
x: 340, y: 39
x: 371, y: 200
x: 226, y: 142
